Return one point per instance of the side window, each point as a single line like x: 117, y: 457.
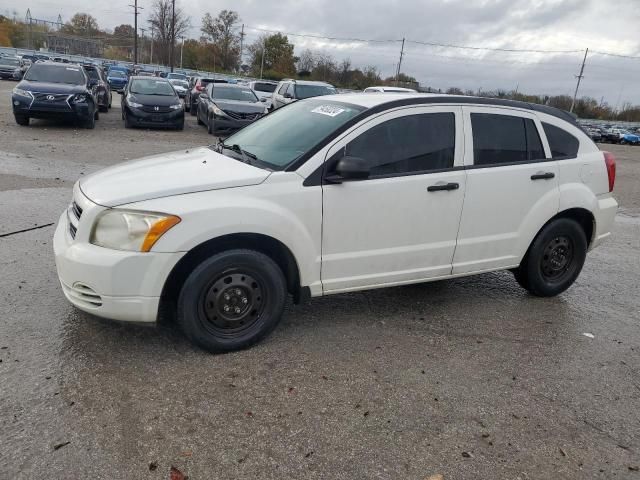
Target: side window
x: 291, y: 90
x: 283, y: 88
x: 504, y: 139
x: 414, y: 143
x: 563, y: 145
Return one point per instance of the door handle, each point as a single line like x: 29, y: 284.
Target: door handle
x: 443, y: 186
x: 543, y: 176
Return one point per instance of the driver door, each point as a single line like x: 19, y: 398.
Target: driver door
x: 400, y: 224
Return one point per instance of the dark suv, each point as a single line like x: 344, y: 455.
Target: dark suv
x: 55, y: 91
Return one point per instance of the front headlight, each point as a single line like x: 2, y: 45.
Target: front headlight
x: 22, y: 93
x: 133, y: 104
x: 219, y: 112
x: 131, y: 231
x: 177, y: 106
x: 79, y: 98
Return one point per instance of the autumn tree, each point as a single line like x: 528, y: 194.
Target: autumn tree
x: 278, y: 55
x: 82, y: 25
x: 160, y: 21
x: 220, y: 30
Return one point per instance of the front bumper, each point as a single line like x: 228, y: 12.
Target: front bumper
x: 161, y: 119
x: 60, y: 110
x: 229, y: 124
x: 113, y: 284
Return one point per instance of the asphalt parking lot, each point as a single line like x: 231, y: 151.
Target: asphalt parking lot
x: 470, y: 378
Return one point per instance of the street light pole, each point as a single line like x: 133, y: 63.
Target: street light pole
x: 262, y: 61
x: 173, y: 32
x: 181, y: 48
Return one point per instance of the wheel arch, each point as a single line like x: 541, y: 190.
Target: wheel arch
x: 265, y: 244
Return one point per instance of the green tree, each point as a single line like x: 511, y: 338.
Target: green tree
x: 220, y: 31
x: 82, y: 25
x: 278, y: 55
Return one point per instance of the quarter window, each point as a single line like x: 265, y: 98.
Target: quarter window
x: 562, y: 143
x: 414, y: 143
x: 504, y: 139
x: 283, y: 88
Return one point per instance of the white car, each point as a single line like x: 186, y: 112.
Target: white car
x: 289, y: 91
x: 389, y: 90
x: 263, y: 89
x: 336, y: 194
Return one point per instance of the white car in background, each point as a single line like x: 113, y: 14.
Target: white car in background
x: 180, y: 86
x: 263, y: 89
x: 336, y: 194
x: 389, y: 90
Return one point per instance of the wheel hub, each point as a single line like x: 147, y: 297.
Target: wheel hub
x: 557, y: 257
x: 233, y: 301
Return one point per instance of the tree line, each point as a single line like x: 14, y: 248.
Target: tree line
x: 272, y: 56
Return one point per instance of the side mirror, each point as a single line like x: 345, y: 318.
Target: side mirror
x: 350, y: 168
x: 287, y: 95
x: 263, y: 99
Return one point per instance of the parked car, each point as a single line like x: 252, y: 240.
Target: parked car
x: 224, y: 108
x: 263, y: 89
x: 594, y: 134
x: 620, y: 135
x: 626, y: 137
x: 176, y: 76
x: 181, y: 86
x: 291, y: 90
x: 117, y: 79
x: 11, y: 67
x: 336, y: 194
x: 384, y: 89
x: 100, y: 86
x: 191, y: 99
x: 151, y: 102
x: 55, y: 91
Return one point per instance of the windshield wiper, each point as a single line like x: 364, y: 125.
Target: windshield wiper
x: 246, y: 156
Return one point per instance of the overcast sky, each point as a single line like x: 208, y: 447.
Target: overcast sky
x: 601, y: 25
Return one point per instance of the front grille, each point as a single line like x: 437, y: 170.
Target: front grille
x: 51, y: 101
x: 152, y: 109
x: 242, y: 116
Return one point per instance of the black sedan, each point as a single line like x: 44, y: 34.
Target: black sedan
x: 55, y: 91
x: 151, y: 102
x: 100, y: 86
x: 224, y: 108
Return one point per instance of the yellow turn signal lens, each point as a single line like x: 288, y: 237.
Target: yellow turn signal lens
x: 157, y: 230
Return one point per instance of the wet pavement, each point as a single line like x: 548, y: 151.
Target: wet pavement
x: 469, y: 378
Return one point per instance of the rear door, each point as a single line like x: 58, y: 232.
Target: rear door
x: 512, y: 188
x: 400, y: 224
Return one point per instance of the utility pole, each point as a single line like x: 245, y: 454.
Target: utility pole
x: 151, y: 54
x: 579, y: 77
x: 241, y: 45
x: 142, y: 43
x: 400, y: 62
x: 181, y: 48
x: 173, y: 32
x: 264, y: 45
x: 135, y: 31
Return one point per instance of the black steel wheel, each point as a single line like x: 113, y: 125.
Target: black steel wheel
x: 555, y: 258
x: 232, y: 300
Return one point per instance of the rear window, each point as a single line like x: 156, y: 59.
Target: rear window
x: 562, y: 143
x: 92, y: 73
x: 230, y: 93
x: 39, y: 72
x: 308, y: 91
x: 9, y: 61
x: 264, y: 87
x: 501, y: 139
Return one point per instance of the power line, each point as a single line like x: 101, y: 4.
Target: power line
x: 635, y: 57
x: 493, y: 49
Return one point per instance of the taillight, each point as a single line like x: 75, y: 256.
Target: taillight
x: 610, y: 162
x: 199, y: 88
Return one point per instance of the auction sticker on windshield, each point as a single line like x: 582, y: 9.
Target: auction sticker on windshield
x: 330, y: 110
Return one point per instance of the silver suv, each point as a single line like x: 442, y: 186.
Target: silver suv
x: 289, y: 90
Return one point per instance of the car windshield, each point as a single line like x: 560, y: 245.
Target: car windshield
x: 264, y: 87
x: 9, y: 61
x: 40, y: 72
x: 281, y: 137
x: 307, y: 91
x: 179, y: 83
x: 117, y: 74
x: 151, y: 86
x: 239, y: 94
x: 177, y: 76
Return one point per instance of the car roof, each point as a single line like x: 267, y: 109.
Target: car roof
x: 307, y: 82
x: 384, y: 101
x: 146, y: 77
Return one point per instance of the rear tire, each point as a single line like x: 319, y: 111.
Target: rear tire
x: 554, y: 260
x: 232, y: 300
x: 103, y: 108
x: 200, y: 122
x: 187, y: 106
x: 193, y: 109
x: 22, y: 120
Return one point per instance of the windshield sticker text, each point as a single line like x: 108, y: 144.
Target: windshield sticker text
x: 329, y: 110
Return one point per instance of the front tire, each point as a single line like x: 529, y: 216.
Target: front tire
x: 210, y: 125
x: 90, y: 123
x: 232, y: 300
x: 22, y: 120
x: 554, y: 260
x: 127, y: 123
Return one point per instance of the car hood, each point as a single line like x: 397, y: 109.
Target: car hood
x: 240, y: 107
x: 46, y: 87
x: 157, y: 100
x: 168, y: 174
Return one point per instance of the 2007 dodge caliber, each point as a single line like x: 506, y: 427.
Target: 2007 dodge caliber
x: 336, y: 194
